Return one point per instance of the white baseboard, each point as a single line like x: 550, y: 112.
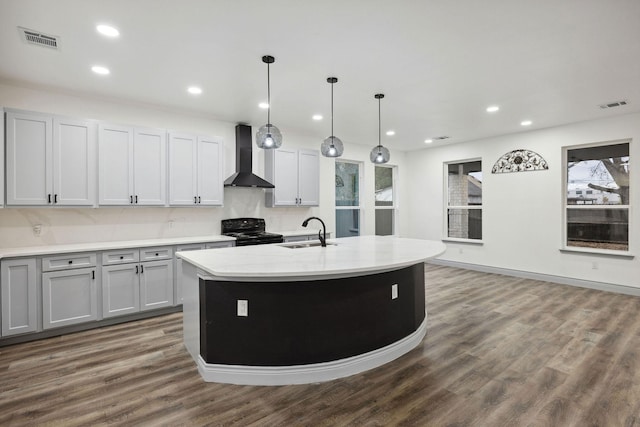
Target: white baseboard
x: 313, y: 373
x: 600, y: 286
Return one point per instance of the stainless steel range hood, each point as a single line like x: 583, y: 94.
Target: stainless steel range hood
x: 244, y: 177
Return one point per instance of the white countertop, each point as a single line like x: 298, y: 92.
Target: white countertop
x: 350, y: 256
x: 105, y: 246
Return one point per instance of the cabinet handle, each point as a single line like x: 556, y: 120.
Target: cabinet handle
x: 93, y: 275
x: 199, y: 199
x: 55, y: 198
x: 136, y: 199
x: 70, y: 261
x: 121, y: 257
x: 195, y: 199
x: 141, y: 269
x: 157, y: 254
x: 131, y: 199
x: 48, y: 198
x: 136, y: 269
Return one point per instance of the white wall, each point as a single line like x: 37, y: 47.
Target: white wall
x: 65, y: 225
x: 522, y: 212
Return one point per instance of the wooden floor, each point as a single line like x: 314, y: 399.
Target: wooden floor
x: 499, y: 351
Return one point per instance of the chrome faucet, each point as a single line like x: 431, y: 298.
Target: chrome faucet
x: 322, y: 234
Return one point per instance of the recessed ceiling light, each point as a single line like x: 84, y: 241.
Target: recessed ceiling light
x: 107, y: 30
x: 98, y: 69
x: 263, y: 105
x: 428, y: 141
x: 492, y: 108
x: 526, y: 123
x: 194, y: 90
x: 317, y: 117
x: 391, y: 132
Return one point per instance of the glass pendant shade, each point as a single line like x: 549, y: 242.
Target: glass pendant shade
x: 332, y: 147
x: 379, y: 154
x: 268, y: 136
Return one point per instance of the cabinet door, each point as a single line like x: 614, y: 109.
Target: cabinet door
x: 150, y: 167
x: 183, y: 176
x: 74, y: 162
x: 308, y: 178
x: 285, y: 177
x: 1, y: 159
x: 210, y: 181
x: 69, y: 297
x: 115, y: 165
x: 156, y: 284
x: 19, y: 301
x: 29, y: 151
x: 120, y: 289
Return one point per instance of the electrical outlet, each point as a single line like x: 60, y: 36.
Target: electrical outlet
x: 594, y: 265
x: 243, y: 308
x: 394, y: 291
x: 37, y: 229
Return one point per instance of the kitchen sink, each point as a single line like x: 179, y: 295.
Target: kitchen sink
x: 300, y: 245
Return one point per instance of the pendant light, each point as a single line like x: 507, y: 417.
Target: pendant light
x: 268, y: 136
x: 332, y: 146
x: 379, y: 154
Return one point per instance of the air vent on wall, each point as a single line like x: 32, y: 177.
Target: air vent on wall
x: 38, y: 38
x: 613, y: 104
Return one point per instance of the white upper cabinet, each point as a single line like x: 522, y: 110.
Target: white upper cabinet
x: 50, y: 160
x: 74, y: 162
x: 295, y: 175
x: 132, y: 166
x: 195, y: 170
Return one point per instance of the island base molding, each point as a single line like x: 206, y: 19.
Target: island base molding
x: 313, y: 373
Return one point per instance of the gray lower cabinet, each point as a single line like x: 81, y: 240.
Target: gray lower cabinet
x: 69, y: 297
x: 18, y: 295
x: 156, y: 284
x: 129, y: 287
x: 120, y: 289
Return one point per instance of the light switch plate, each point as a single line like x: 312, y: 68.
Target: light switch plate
x: 243, y: 308
x: 394, y: 291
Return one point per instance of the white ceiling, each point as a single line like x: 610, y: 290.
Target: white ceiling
x: 439, y: 63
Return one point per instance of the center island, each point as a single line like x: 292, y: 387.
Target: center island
x: 295, y: 313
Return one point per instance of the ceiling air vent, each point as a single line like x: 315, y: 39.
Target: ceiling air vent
x: 613, y: 104
x: 38, y: 38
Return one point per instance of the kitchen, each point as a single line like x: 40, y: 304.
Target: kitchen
x: 525, y: 243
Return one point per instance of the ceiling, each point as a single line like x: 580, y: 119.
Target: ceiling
x: 439, y: 63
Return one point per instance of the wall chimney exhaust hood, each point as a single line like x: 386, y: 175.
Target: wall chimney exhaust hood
x: 243, y: 176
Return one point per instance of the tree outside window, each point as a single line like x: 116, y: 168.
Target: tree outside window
x: 597, y: 197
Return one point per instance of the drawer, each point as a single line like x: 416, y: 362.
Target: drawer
x: 152, y: 254
x: 186, y: 248
x: 215, y: 245
x: 121, y: 256
x: 67, y: 261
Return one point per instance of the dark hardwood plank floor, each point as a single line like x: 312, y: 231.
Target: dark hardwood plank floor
x: 499, y: 351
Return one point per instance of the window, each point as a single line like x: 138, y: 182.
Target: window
x: 347, y: 198
x: 385, y: 200
x: 599, y: 219
x: 464, y: 200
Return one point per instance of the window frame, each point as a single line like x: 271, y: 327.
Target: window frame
x: 394, y: 206
x: 565, y: 206
x: 447, y: 207
x: 360, y: 206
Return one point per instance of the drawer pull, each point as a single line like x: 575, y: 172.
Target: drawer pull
x: 70, y: 261
x: 157, y: 254
x: 121, y: 257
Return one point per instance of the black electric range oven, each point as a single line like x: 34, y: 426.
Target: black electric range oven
x: 249, y: 231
